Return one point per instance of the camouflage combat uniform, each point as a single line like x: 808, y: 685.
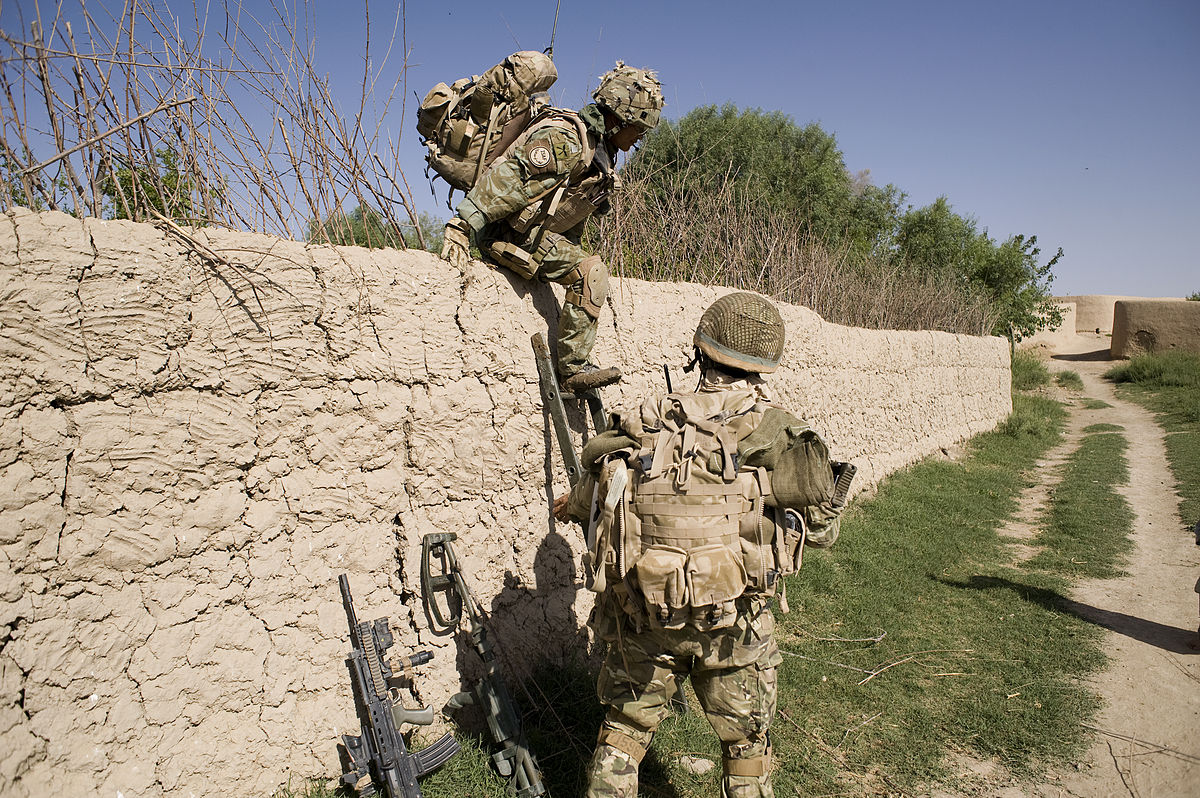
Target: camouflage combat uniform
x: 550, y: 156
x: 733, y: 669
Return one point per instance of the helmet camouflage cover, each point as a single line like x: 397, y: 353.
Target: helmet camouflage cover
x: 632, y: 95
x: 743, y: 331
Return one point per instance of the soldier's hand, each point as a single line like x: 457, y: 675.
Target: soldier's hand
x: 456, y: 246
x: 560, y: 507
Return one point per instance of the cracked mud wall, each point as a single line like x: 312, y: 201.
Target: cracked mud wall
x: 191, y: 451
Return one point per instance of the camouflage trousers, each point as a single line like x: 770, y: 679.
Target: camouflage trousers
x: 733, y: 672
x: 558, y: 257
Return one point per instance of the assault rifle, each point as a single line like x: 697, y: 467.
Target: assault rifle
x: 379, y: 753
x: 514, y: 760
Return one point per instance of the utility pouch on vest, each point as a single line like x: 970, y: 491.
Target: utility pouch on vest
x: 510, y: 256
x: 803, y: 476
x: 790, y: 544
x: 661, y: 576
x: 716, y: 576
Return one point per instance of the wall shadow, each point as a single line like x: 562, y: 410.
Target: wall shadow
x: 1168, y: 638
x: 1097, y: 354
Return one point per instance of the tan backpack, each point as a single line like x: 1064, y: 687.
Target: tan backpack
x: 684, y: 519
x: 468, y: 124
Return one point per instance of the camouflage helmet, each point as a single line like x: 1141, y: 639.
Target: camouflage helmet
x: 743, y: 331
x: 632, y: 95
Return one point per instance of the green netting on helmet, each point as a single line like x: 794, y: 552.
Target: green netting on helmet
x: 743, y: 331
x: 632, y: 95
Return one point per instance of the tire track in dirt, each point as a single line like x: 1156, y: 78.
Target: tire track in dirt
x: 1146, y: 743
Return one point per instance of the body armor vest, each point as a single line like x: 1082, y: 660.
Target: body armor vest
x: 680, y: 529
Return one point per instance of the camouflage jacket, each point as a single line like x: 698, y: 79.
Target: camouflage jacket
x: 551, y: 157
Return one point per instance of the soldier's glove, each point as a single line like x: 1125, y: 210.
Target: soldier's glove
x: 456, y: 247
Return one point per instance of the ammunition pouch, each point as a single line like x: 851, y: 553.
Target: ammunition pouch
x: 513, y: 258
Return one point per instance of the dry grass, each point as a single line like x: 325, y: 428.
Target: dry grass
x: 661, y: 231
x: 90, y: 101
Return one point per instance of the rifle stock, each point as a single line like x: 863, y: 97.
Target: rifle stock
x: 514, y: 760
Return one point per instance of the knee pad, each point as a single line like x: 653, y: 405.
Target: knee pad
x: 593, y: 286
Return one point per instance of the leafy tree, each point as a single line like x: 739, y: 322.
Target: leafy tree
x: 165, y: 187
x: 366, y: 227
x: 936, y: 240
x: 1019, y: 287
x: 433, y: 230
x: 1194, y: 296
x: 776, y: 163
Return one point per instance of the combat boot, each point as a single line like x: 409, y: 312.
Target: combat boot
x: 590, y: 377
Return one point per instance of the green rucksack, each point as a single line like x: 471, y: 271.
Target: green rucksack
x: 468, y: 124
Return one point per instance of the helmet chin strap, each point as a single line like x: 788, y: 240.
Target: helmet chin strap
x: 694, y: 361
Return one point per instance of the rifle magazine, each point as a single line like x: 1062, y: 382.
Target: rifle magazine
x: 432, y: 757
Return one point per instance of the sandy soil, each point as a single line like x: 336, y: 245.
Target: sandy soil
x: 1145, y: 739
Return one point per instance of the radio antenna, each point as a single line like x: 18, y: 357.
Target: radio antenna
x: 550, y: 50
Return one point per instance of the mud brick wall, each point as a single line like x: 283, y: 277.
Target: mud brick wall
x: 1149, y: 325
x: 1095, y: 311
x: 192, y: 449
x: 1056, y: 337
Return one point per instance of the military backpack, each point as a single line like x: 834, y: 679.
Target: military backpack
x: 468, y: 124
x: 690, y: 506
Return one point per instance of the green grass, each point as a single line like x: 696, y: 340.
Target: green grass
x: 1168, y: 384
x: 1028, y: 371
x: 1089, y: 403
x: 1070, y: 380
x: 983, y: 655
x: 1159, y: 370
x: 1086, y: 531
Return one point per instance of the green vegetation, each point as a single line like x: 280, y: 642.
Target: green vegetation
x: 166, y: 187
x: 1086, y: 532
x: 1167, y: 384
x: 775, y: 164
x: 366, y: 227
x: 1094, y: 404
x: 1070, y: 380
x: 790, y: 184
x: 1159, y: 370
x: 1029, y: 372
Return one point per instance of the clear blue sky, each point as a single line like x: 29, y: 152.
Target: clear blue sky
x: 1074, y: 120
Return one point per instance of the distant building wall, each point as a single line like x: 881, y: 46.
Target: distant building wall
x: 1095, y: 311
x: 1154, y: 325
x: 1057, y: 337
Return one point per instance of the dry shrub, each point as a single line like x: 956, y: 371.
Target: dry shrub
x: 254, y: 140
x: 664, y: 230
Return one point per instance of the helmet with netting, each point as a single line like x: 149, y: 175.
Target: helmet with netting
x: 742, y: 331
x: 632, y: 95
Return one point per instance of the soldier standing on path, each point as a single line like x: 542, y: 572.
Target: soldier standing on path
x: 696, y: 506
x: 528, y: 212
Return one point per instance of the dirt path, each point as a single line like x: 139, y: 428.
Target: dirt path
x: 1147, y: 737
x: 1147, y: 742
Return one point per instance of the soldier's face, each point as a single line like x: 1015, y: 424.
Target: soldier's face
x: 626, y: 137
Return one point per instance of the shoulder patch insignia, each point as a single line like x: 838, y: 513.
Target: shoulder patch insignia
x: 539, y: 153
x: 539, y: 156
